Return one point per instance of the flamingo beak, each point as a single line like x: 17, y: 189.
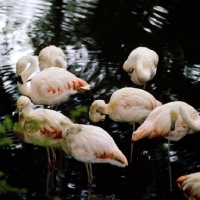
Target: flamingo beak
x: 173, y: 126
x: 19, y: 79
x: 15, y: 116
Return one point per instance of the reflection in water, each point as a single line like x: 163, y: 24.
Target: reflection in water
x: 97, y: 37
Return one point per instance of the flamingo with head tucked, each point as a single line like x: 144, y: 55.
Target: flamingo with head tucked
x: 172, y: 121
x: 126, y: 105
x: 190, y: 184
x: 141, y: 65
x: 50, y: 86
x: 91, y: 144
x: 52, y: 56
x: 42, y: 127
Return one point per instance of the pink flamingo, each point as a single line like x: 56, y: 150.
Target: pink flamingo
x: 190, y: 184
x: 52, y: 56
x: 91, y: 144
x: 173, y: 121
x: 49, y: 87
x: 42, y: 127
x: 141, y: 65
x: 126, y: 105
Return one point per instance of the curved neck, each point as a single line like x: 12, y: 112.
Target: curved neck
x: 26, y: 73
x: 104, y: 110
x: 142, y: 75
x: 30, y: 69
x: 60, y: 62
x: 24, y: 113
x: 191, y: 123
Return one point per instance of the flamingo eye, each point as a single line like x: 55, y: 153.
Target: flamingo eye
x: 131, y: 71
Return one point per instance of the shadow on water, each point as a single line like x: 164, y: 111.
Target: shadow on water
x: 97, y: 37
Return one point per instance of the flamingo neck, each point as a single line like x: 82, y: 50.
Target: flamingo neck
x: 24, y: 113
x: 191, y: 123
x: 142, y: 74
x: 60, y: 62
x: 104, y: 110
x: 23, y: 88
x: 30, y: 69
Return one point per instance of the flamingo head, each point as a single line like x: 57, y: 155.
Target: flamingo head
x: 95, y: 114
x: 72, y: 129
x: 22, y: 102
x: 173, y: 116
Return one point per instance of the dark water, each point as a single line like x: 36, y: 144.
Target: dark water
x: 97, y: 37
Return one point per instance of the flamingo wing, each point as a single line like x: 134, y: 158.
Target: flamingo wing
x: 159, y: 123
x: 92, y: 145
x: 56, y: 84
x: 44, y: 127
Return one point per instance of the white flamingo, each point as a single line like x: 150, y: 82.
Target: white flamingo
x: 172, y: 121
x: 50, y: 86
x: 42, y: 127
x: 126, y: 105
x: 141, y: 65
x: 52, y: 56
x: 190, y: 184
x: 91, y: 144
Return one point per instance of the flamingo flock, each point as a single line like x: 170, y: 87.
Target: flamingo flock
x: 90, y: 144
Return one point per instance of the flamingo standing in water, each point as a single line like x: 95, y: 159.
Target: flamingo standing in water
x: 52, y: 56
x: 42, y: 127
x: 125, y: 105
x: 50, y: 86
x: 173, y: 121
x: 141, y: 65
x: 190, y: 184
x: 91, y: 144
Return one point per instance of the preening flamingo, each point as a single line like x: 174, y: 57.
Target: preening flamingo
x: 172, y: 120
x: 50, y: 86
x: 52, y: 56
x: 91, y: 144
x: 42, y: 127
x: 190, y: 184
x: 126, y: 105
x: 141, y: 65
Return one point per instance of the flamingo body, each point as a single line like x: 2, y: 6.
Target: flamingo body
x: 91, y: 144
x: 50, y: 86
x: 141, y: 65
x: 125, y: 105
x: 160, y: 121
x: 43, y: 127
x: 52, y: 56
x: 190, y: 184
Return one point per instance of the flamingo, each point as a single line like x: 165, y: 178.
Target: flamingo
x: 190, y: 184
x: 172, y: 121
x: 49, y: 87
x: 42, y: 127
x: 141, y: 65
x: 52, y: 56
x: 126, y: 105
x: 91, y: 144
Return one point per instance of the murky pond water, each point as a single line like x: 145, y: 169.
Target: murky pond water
x: 97, y: 37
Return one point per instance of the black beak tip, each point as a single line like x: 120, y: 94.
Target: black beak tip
x: 15, y: 116
x: 19, y: 79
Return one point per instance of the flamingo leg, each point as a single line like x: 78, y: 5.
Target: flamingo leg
x: 89, y: 175
x: 90, y: 169
x: 53, y: 166
x: 169, y: 166
x: 48, y: 172
x: 132, y: 145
